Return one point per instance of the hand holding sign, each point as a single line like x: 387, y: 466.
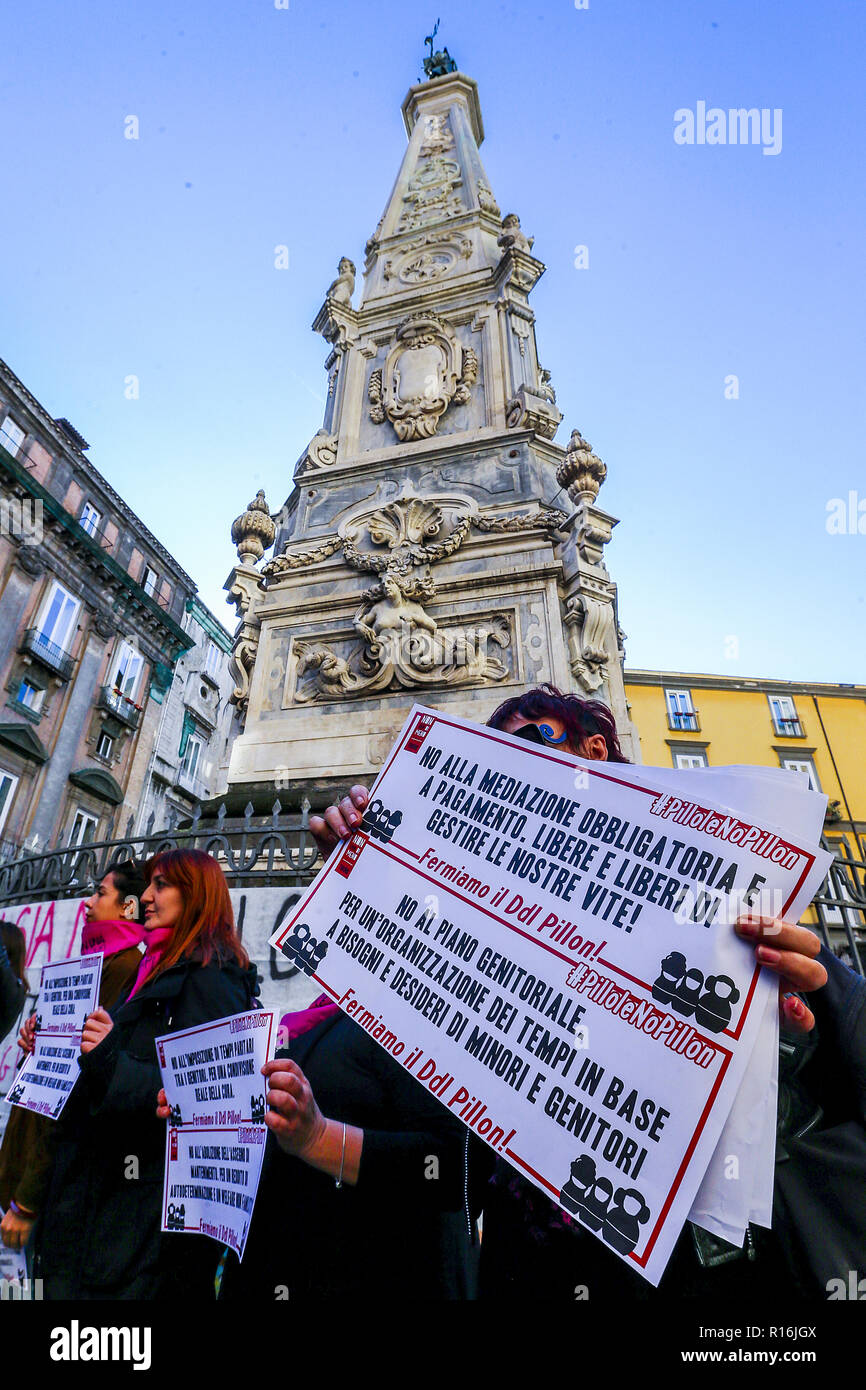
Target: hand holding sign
x: 791, y: 956
x: 96, y: 1028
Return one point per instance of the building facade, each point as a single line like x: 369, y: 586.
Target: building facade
x: 687, y: 720
x: 188, y: 763
x: 438, y: 545
x: 92, y: 611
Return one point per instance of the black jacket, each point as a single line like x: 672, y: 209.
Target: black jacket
x: 407, y: 1230
x: 99, y: 1234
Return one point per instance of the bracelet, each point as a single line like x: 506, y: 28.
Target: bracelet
x: 338, y: 1182
x: 19, y: 1210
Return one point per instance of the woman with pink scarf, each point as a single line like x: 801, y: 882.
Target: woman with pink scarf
x: 113, y: 926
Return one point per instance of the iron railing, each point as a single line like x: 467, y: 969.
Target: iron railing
x: 277, y: 850
x: 121, y: 705
x: 48, y: 652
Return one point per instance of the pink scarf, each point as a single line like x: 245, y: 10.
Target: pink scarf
x: 302, y: 1020
x: 110, y: 937
x: 155, y: 942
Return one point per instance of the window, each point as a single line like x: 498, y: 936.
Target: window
x: 687, y: 760
x: 681, y: 711
x: 8, y: 783
x: 803, y: 765
x: 59, y: 613
x: 30, y: 696
x: 105, y: 745
x: 192, y: 757
x: 128, y: 666
x: 149, y: 580
x: 89, y: 519
x: 11, y: 435
x: 784, y: 712
x: 83, y: 828
x: 212, y: 659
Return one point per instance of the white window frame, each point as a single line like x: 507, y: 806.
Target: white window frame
x: 8, y: 786
x: 89, y: 519
x: 681, y: 711
x: 127, y: 667
x: 149, y: 581
x: 212, y: 658
x: 688, y: 759
x: 190, y: 766
x: 110, y: 737
x: 36, y: 704
x: 802, y: 765
x: 784, y: 712
x: 81, y: 820
x: 9, y: 442
x: 60, y: 634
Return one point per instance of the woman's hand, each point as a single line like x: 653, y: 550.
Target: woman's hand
x: 301, y: 1129
x: 163, y: 1109
x: 27, y: 1035
x: 789, y: 951
x: 339, y: 820
x: 97, y: 1026
x: 294, y: 1118
x: 15, y: 1228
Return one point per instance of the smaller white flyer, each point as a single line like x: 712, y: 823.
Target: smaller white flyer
x: 68, y: 993
x: 47, y: 1077
x: 212, y: 1076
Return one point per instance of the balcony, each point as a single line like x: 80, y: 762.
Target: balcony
x: 191, y: 784
x: 59, y: 662
x: 126, y: 710
x: 789, y: 727
x: 684, y: 721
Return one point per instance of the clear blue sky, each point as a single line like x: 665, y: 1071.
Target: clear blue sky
x: 261, y: 126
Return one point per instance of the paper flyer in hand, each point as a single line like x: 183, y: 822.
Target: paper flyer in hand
x: 547, y: 944
x: 68, y: 993
x: 212, y: 1076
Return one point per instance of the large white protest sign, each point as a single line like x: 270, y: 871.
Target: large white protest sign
x: 213, y: 1083
x: 546, y: 944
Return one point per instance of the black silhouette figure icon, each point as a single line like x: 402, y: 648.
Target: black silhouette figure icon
x: 38, y: 1024
x: 257, y: 1108
x: 380, y: 822
x: 596, y: 1203
x: 626, y: 1215
x: 714, y: 1007
x: 688, y: 992
x: 573, y: 1194
x: 302, y: 947
x: 16, y: 1093
x: 176, y: 1217
x: 673, y: 967
x: 176, y: 1118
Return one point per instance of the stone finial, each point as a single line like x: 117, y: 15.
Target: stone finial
x: 253, y: 531
x: 343, y: 287
x: 581, y: 471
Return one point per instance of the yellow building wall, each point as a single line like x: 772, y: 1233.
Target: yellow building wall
x: 738, y: 728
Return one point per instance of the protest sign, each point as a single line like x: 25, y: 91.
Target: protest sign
x: 212, y: 1076
x: 547, y: 945
x: 68, y: 993
x: 46, y: 1079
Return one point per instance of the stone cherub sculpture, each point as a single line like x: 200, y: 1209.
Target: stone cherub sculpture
x: 343, y: 287
x: 512, y: 236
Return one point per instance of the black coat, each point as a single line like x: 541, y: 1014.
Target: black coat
x: 99, y: 1234
x: 12, y: 994
x: 403, y: 1232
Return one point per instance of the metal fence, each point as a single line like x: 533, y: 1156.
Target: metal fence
x: 278, y: 850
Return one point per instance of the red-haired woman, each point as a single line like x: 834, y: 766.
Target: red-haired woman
x: 99, y: 1236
